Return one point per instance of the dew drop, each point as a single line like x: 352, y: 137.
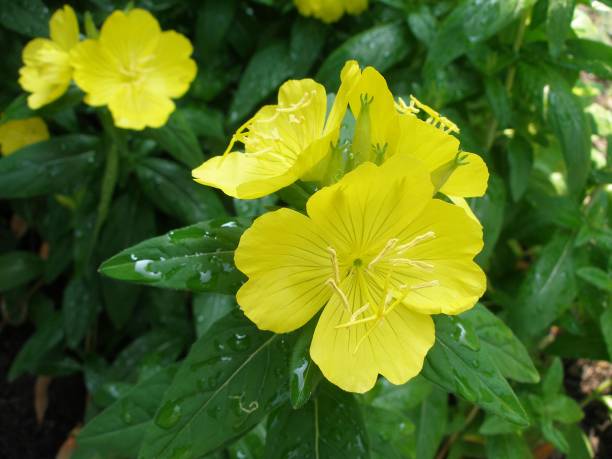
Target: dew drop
x: 168, y: 415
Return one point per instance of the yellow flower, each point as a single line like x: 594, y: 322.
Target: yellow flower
x: 21, y: 133
x: 282, y: 142
x: 134, y: 68
x: 385, y: 128
x: 330, y: 10
x: 46, y: 73
x: 380, y: 255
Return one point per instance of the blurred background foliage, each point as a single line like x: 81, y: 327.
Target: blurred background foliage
x: 528, y: 84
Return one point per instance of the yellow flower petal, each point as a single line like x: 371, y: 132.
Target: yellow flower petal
x: 46, y: 73
x: 64, y: 28
x: 17, y: 134
x: 382, y: 113
x: 95, y: 72
x: 435, y: 270
x: 352, y: 357
x: 469, y: 179
x: 130, y: 37
x: 288, y: 265
x: 370, y: 205
x: 281, y: 143
x: 172, y: 71
x: 135, y: 107
x: 425, y: 142
x: 330, y: 10
x: 135, y: 69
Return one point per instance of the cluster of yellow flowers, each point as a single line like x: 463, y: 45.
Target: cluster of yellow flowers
x: 133, y: 67
x: 378, y: 249
x: 330, y: 10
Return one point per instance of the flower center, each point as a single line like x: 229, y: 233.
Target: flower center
x: 385, y: 264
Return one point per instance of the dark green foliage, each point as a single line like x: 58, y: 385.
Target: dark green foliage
x: 124, y: 267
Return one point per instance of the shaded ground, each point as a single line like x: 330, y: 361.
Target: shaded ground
x: 20, y: 435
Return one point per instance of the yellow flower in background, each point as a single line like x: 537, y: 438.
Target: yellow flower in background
x: 282, y: 143
x: 330, y: 10
x: 47, y: 73
x: 17, y: 134
x: 385, y: 128
x: 134, y: 68
x: 379, y: 255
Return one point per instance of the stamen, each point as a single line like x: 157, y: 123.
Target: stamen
x: 389, y: 246
x: 417, y: 240
x: 340, y: 293
x: 433, y: 283
x: 403, y: 108
x: 336, y: 266
x: 414, y: 263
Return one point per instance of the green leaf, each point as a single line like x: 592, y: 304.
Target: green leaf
x: 509, y: 446
x: 471, y: 22
x: 119, y: 429
x: 596, y: 277
x: 548, y: 289
x: 561, y: 408
x: 592, y: 56
x: 458, y: 364
x: 27, y: 17
x: 568, y: 121
x: 329, y: 426
x: 171, y: 188
x: 606, y: 329
x: 553, y: 379
x: 18, y: 268
x: 558, y: 24
x: 520, y: 160
x: 579, y: 445
x: 499, y: 101
x: 508, y: 353
x: 198, y: 257
x: 276, y: 62
x: 213, y: 23
x: 554, y: 435
x: 177, y: 138
x: 490, y: 211
x: 429, y: 434
x: 36, y: 349
x: 47, y: 167
x: 130, y: 220
x: 80, y: 306
x: 231, y: 379
x: 208, y: 308
x: 304, y: 374
x: 254, y: 207
x: 496, y: 425
x: 381, y: 47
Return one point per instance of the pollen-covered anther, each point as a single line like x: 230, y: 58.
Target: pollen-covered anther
x: 416, y: 241
x: 403, y: 108
x: 391, y: 243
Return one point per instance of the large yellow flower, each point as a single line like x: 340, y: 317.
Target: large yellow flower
x: 46, y: 73
x: 380, y: 255
x: 330, y: 10
x: 282, y: 142
x: 17, y: 134
x: 385, y: 128
x: 135, y: 69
